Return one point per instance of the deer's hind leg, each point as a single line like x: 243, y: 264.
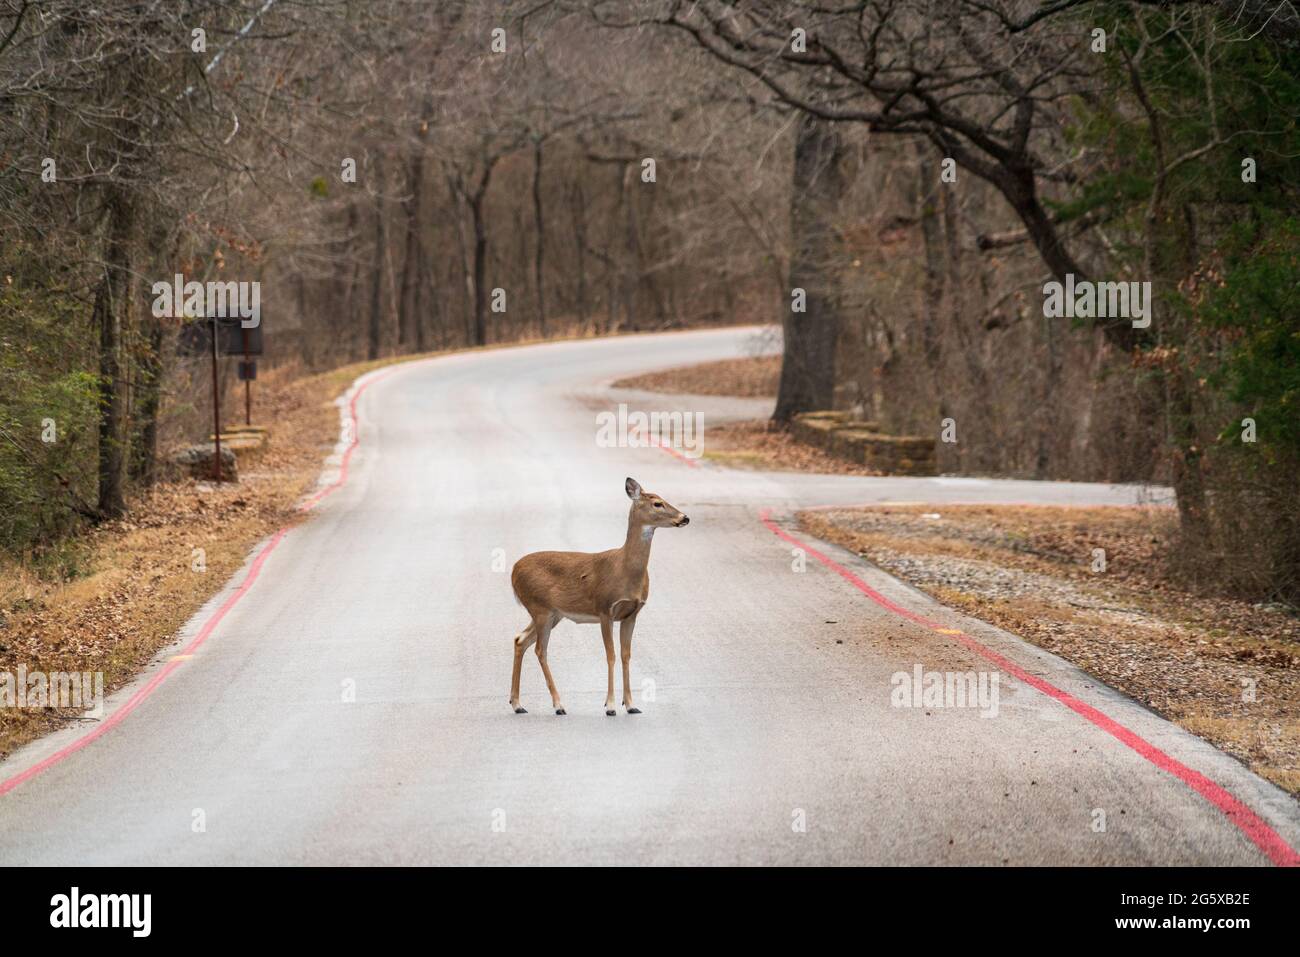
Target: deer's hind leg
x: 522, y: 641
x: 607, y: 633
x: 543, y: 625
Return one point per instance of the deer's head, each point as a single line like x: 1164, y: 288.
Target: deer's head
x: 649, y: 509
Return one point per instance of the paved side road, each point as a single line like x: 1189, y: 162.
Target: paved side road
x: 768, y: 733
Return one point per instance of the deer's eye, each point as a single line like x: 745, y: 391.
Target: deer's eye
x: 659, y: 504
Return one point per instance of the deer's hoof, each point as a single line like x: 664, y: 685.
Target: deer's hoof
x: 610, y: 712
x: 521, y: 710
x: 560, y: 711
x: 633, y: 710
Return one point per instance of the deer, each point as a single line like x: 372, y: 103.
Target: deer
x: 590, y: 587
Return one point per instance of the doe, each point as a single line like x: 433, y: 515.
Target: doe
x: 590, y: 587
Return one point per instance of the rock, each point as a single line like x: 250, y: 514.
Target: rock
x: 196, y: 461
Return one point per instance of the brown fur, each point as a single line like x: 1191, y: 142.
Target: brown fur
x: 604, y: 587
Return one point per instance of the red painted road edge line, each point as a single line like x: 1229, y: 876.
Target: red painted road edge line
x: 678, y: 456
x: 1246, y: 820
x: 663, y: 447
x: 352, y: 446
x: 119, y: 715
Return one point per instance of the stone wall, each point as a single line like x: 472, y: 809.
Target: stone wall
x: 863, y: 444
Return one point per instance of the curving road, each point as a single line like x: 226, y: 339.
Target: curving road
x: 768, y: 734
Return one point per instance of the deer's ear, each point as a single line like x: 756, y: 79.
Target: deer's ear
x: 633, y: 489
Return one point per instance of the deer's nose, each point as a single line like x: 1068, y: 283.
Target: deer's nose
x: 684, y: 521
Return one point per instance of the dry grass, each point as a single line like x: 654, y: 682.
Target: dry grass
x: 1188, y: 656
x: 749, y: 378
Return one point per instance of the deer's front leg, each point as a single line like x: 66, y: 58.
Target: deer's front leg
x: 625, y: 649
x: 607, y: 633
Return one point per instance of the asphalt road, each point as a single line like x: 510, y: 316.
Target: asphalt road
x: 768, y: 733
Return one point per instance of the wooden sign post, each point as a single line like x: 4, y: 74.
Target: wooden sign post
x: 244, y: 367
x: 215, y: 336
x: 216, y: 408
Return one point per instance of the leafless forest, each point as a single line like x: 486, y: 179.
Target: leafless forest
x: 404, y: 176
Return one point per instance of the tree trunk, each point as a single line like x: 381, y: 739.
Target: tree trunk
x: 1188, y: 477
x: 521, y: 266
x: 480, y: 270
x: 374, y: 337
x: 409, y: 329
x: 476, y: 202
x: 579, y: 205
x: 428, y: 308
x: 541, y: 238
x: 1170, y: 256
x: 348, y: 267
x: 410, y: 324
x: 462, y: 246
x: 1047, y: 412
x: 112, y: 309
x: 808, y: 363
x: 928, y: 202
x: 151, y: 368
x: 144, y: 449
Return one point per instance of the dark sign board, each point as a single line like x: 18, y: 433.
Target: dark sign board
x: 248, y: 370
x: 232, y: 338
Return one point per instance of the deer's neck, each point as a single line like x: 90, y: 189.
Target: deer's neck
x: 636, y: 549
